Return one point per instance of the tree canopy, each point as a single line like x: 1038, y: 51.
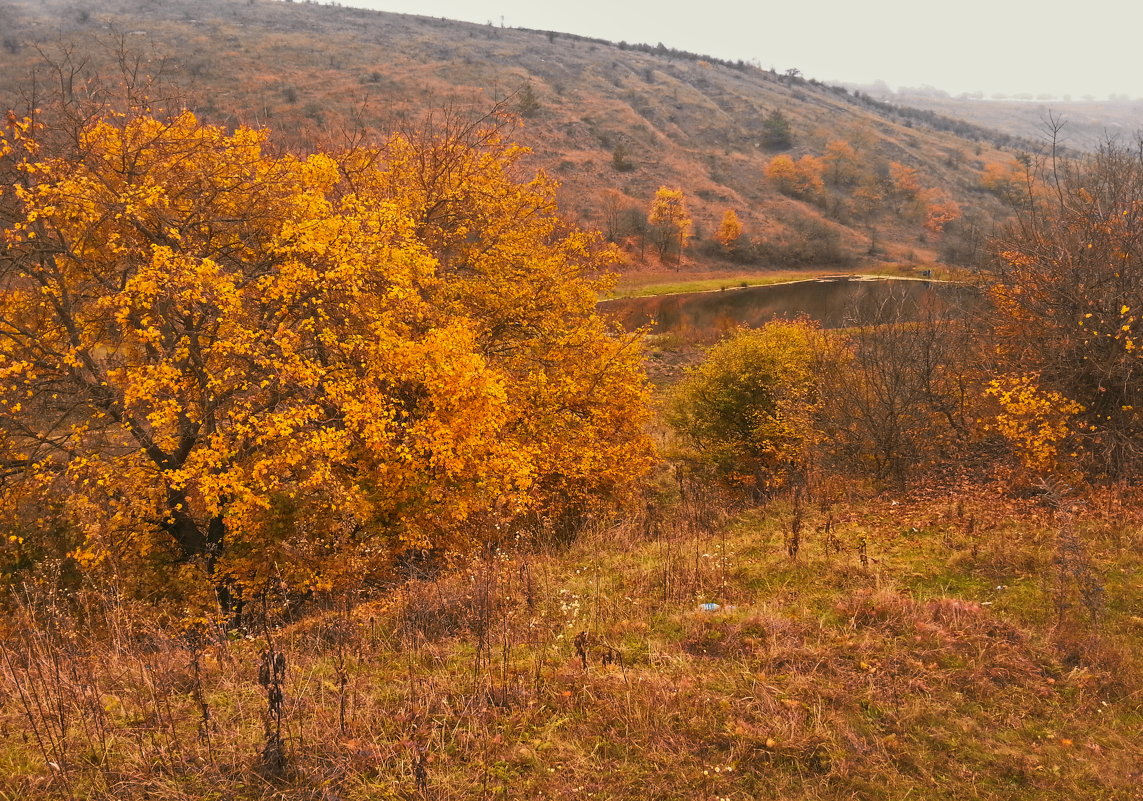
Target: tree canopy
x: 291, y: 367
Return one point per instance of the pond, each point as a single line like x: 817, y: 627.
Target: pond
x: 835, y: 302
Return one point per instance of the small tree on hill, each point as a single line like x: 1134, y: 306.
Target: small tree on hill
x: 801, y: 178
x: 729, y: 230
x: 615, y: 208
x: 527, y: 103
x: 903, y: 187
x: 670, y: 221
x: 1013, y: 182
x: 621, y: 159
x: 940, y: 210
x: 776, y: 131
x: 843, y: 166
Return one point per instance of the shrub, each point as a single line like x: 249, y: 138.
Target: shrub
x: 749, y: 410
x: 1068, y: 286
x: 905, y: 395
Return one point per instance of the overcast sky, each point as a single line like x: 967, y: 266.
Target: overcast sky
x: 994, y: 46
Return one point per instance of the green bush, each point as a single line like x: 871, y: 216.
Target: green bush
x: 749, y: 410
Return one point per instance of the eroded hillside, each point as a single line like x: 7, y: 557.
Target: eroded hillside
x: 613, y: 122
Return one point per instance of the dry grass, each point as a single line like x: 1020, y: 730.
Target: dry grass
x: 313, y: 72
x: 920, y: 647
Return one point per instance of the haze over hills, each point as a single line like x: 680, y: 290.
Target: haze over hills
x: 613, y: 122
x: 1087, y: 122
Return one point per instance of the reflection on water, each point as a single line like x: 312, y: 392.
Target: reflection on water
x: 833, y: 302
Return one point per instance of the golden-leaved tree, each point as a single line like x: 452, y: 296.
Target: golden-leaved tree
x: 801, y: 178
x: 218, y: 361
x: 671, y: 221
x: 843, y: 166
x: 729, y: 230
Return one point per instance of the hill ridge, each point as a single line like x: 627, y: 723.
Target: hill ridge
x: 601, y: 116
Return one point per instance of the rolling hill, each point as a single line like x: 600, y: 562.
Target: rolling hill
x: 612, y: 121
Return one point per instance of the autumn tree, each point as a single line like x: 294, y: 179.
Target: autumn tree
x: 810, y: 171
x: 843, y: 167
x: 866, y: 204
x: 782, y: 172
x: 1069, y: 289
x: 750, y: 409
x: 289, y: 368
x: 528, y: 283
x: 801, y: 178
x: 906, y: 193
x: 1009, y: 181
x: 671, y: 222
x: 729, y: 230
x: 940, y: 210
x: 903, y: 187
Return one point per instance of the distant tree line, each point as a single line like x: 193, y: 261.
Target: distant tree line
x: 659, y: 49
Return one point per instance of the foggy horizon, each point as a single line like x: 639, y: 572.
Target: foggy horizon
x: 1019, y: 54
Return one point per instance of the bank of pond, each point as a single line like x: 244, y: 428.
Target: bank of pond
x: 834, y: 302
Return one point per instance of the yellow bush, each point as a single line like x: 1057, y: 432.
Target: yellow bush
x: 1036, y: 421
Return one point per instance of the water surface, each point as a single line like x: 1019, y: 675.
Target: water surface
x: 835, y: 302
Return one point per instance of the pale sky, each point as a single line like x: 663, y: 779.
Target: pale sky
x: 1005, y: 46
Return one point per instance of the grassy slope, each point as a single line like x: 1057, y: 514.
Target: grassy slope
x: 913, y: 649
x: 311, y: 71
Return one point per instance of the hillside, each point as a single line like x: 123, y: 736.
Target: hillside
x: 611, y: 121
x: 1087, y: 123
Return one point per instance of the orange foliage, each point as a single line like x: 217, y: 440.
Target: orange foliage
x: 940, y: 210
x: 280, y: 368
x: 843, y: 166
x: 905, y: 181
x: 1006, y: 181
x: 801, y: 178
x: 729, y: 230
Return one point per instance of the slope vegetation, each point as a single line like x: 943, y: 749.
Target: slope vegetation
x: 613, y: 122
